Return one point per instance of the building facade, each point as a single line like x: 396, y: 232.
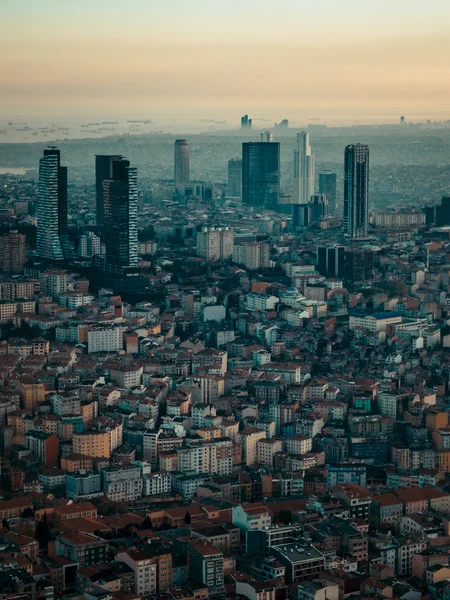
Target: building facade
x: 356, y: 190
x: 52, y: 239
x: 261, y: 173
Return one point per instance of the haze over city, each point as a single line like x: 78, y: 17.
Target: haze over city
x: 339, y: 62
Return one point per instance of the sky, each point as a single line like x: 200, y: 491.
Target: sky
x: 291, y: 59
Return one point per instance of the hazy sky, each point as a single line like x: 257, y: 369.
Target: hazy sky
x: 221, y: 58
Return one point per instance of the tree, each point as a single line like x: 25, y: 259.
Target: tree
x: 28, y: 513
x: 5, y: 524
x: 187, y: 518
x: 146, y: 524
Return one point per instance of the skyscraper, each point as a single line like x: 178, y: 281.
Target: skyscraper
x: 52, y: 226
x: 327, y: 186
x: 246, y: 123
x: 102, y: 171
x: 356, y: 190
x: 120, y: 226
x: 181, y: 165
x: 303, y: 170
x: 261, y: 173
x: 235, y: 178
x: 330, y: 260
x: 319, y: 207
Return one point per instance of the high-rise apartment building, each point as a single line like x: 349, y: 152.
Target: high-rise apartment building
x: 89, y: 245
x: 356, y: 190
x: 120, y: 218
x: 103, y: 171
x: 181, y: 165
x: 254, y: 255
x: 261, y: 173
x: 235, y: 178
x: 327, y: 186
x: 12, y: 252
x: 52, y: 225
x: 303, y: 170
x: 215, y: 243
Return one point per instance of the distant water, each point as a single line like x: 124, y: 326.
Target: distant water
x: 12, y: 171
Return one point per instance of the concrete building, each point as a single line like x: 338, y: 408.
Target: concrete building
x: 302, y: 561
x: 144, y: 568
x: 121, y: 483
x: 250, y: 517
x: 253, y: 255
x: 100, y: 441
x: 249, y: 439
x: 12, y: 252
x: 215, y: 243
x: 206, y: 566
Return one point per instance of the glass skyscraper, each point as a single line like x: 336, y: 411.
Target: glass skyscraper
x: 356, y: 190
x: 234, y: 178
x: 327, y: 186
x: 181, y: 166
x: 52, y: 239
x: 303, y: 170
x: 261, y: 173
x: 120, y: 217
x: 103, y: 166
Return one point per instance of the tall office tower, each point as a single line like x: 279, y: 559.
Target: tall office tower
x: 103, y: 166
x: 181, y: 165
x: 327, y: 186
x: 12, y: 252
x: 330, y: 260
x: 261, y: 173
x: 319, y: 207
x: 301, y: 216
x: 303, y: 170
x: 215, y: 243
x: 356, y: 190
x: 235, y: 178
x: 52, y: 227
x: 120, y: 229
x: 246, y: 123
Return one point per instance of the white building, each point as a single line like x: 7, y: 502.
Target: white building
x: 260, y: 302
x: 105, y: 339
x: 145, y: 576
x: 376, y: 322
x: 254, y: 255
x: 303, y: 170
x: 250, y: 518
x: 157, y: 484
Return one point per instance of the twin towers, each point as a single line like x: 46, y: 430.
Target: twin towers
x: 116, y: 211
